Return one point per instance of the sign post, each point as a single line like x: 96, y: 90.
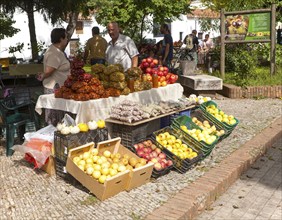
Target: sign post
x: 250, y: 26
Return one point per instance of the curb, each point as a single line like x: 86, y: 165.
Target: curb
x: 199, y: 195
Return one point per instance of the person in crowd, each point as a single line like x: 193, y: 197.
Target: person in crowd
x: 207, y: 43
x: 56, y: 68
x: 122, y: 49
x: 194, y: 47
x: 167, y: 46
x: 97, y: 46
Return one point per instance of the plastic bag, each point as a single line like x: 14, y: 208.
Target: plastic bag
x: 46, y: 133
x: 68, y: 120
x: 39, y: 149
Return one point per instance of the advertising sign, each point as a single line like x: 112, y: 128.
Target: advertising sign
x: 255, y: 26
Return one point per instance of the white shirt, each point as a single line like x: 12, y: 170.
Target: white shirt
x: 121, y: 52
x: 55, y: 58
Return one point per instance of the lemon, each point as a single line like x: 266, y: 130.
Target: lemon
x: 101, y: 123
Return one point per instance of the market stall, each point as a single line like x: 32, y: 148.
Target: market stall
x: 100, y: 108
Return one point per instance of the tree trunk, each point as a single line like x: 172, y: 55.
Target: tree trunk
x: 72, y: 19
x: 31, y: 25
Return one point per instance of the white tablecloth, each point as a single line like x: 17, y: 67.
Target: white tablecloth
x: 100, y: 108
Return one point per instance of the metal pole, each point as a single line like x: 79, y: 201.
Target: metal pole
x: 222, y: 44
x: 272, y: 44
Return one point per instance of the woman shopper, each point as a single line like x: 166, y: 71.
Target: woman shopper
x: 56, y: 68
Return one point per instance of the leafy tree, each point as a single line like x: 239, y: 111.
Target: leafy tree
x: 134, y: 16
x: 6, y: 28
x: 55, y: 10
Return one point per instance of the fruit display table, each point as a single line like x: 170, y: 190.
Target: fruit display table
x: 100, y: 108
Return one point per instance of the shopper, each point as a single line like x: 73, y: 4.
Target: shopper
x: 195, y: 45
x: 207, y: 43
x: 96, y: 46
x: 167, y: 46
x: 121, y: 49
x: 56, y: 68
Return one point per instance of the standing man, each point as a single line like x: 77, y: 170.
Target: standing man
x: 167, y: 47
x: 122, y: 49
x: 195, y: 48
x: 97, y: 46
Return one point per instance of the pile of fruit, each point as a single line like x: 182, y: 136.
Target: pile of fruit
x: 205, y: 125
x: 175, y: 146
x: 104, y: 165
x: 82, y: 86
x: 201, y: 135
x: 149, y: 151
x: 150, y: 67
x: 81, y: 127
x: 198, y: 99
x: 220, y: 115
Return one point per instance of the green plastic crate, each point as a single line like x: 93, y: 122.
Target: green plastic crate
x: 187, y: 121
x: 210, y: 117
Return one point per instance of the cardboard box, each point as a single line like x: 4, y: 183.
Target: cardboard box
x: 49, y: 167
x: 126, y: 180
x: 111, y: 186
x: 138, y: 176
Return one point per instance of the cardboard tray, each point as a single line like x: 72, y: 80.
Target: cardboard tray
x: 138, y: 176
x: 111, y: 186
x: 126, y: 180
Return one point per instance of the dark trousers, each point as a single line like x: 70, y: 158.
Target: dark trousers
x: 95, y: 61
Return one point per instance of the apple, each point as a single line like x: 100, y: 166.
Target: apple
x: 144, y: 60
x: 154, y: 160
x: 155, y: 71
x: 166, y: 69
x: 154, y: 154
x: 163, y: 164
x: 149, y: 70
x: 140, y: 153
x: 153, y: 146
x: 155, y: 61
x: 162, y: 79
x: 145, y: 65
x: 169, y: 163
x: 158, y: 166
x: 160, y: 73
x: 149, y: 59
x: 136, y: 146
x: 162, y: 155
x: 161, y: 68
x: 158, y: 150
x: 165, y: 72
x: 164, y: 83
x: 152, y: 65
x: 149, y: 77
x: 173, y: 78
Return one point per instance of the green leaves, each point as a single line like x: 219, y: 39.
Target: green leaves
x: 6, y: 27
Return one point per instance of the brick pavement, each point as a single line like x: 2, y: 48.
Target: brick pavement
x: 196, y: 197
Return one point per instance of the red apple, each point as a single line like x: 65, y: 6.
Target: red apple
x: 162, y: 155
x: 158, y: 150
x: 165, y: 72
x: 160, y: 73
x: 154, y: 160
x: 154, y: 154
x: 140, y: 153
x: 149, y: 70
x: 145, y: 65
x: 169, y: 163
x: 155, y: 61
x: 152, y: 65
x: 153, y: 146
x: 163, y: 164
x: 135, y: 146
x: 173, y: 78
x: 166, y: 69
x: 144, y: 60
x: 161, y: 68
x: 149, y: 59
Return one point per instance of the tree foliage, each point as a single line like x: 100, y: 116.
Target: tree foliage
x: 53, y: 10
x: 6, y: 26
x: 133, y: 15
